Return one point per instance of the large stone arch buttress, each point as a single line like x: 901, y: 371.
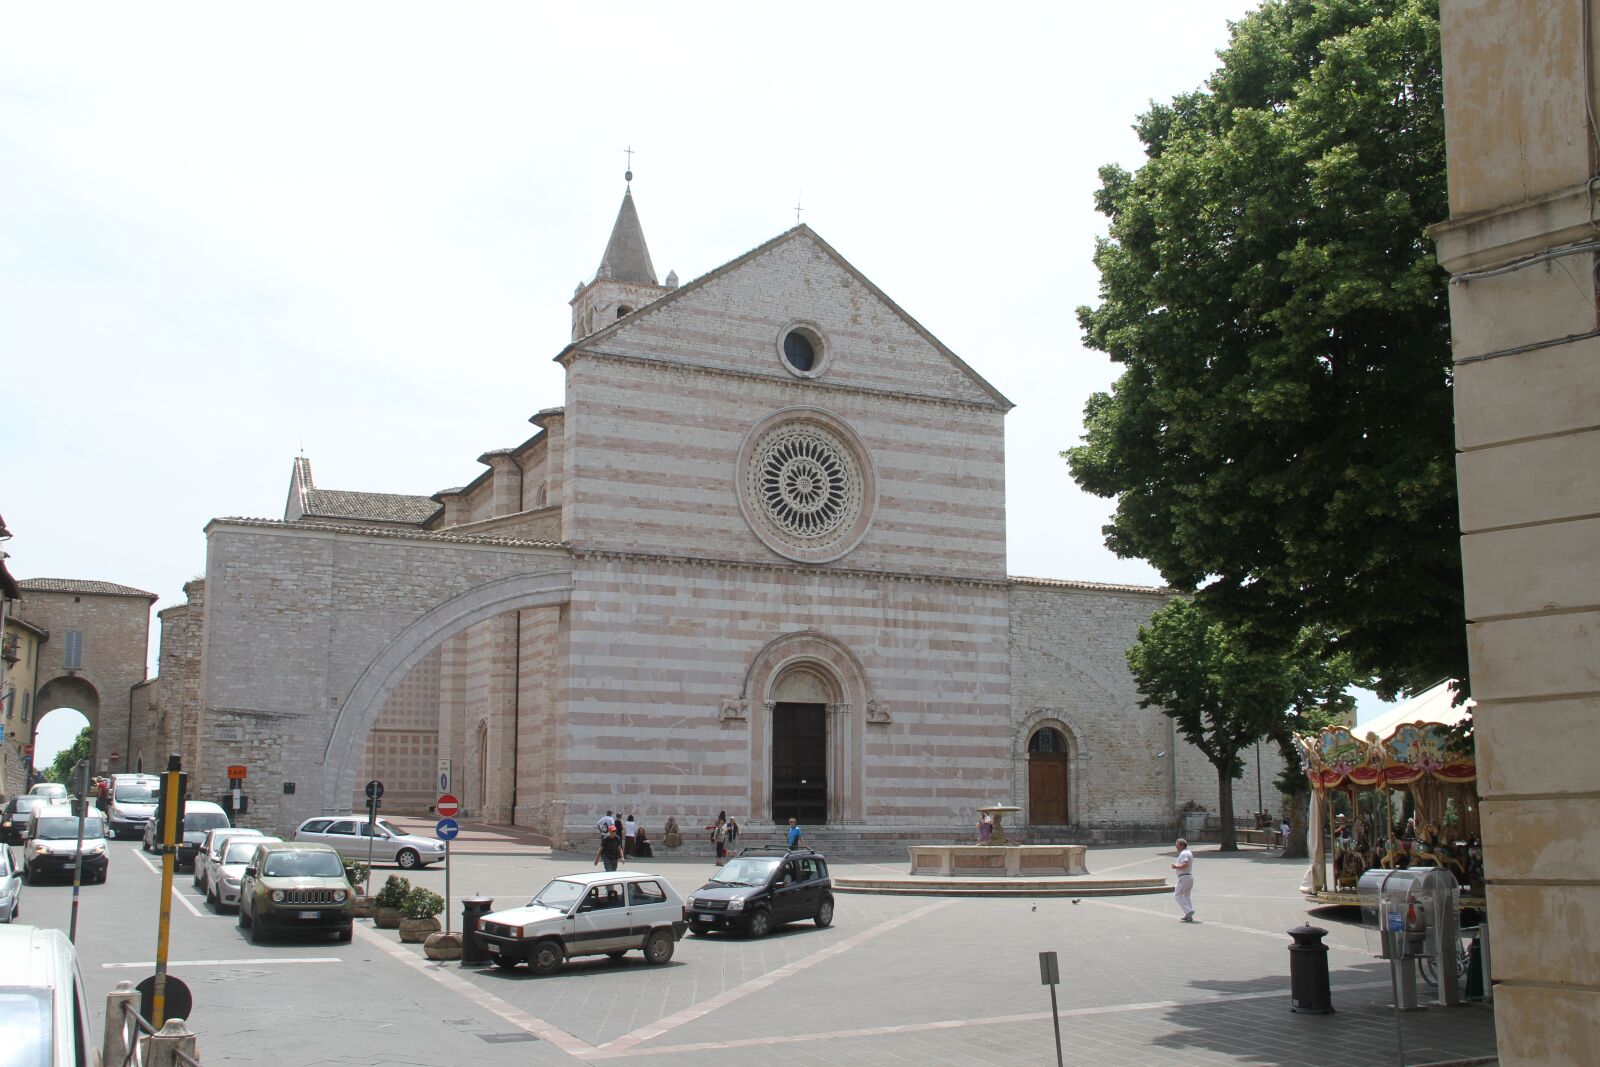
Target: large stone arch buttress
x: 359, y: 709
x: 850, y: 696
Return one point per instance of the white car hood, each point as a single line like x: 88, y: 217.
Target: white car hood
x: 532, y: 913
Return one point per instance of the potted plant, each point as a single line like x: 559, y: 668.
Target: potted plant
x: 443, y: 946
x: 390, y: 899
x: 420, y: 911
x: 356, y: 874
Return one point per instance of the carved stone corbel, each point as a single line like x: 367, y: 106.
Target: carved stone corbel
x: 877, y: 712
x: 733, y: 710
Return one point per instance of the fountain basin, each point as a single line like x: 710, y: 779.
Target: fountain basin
x: 998, y: 861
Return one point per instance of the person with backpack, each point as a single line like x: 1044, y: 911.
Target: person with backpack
x: 610, y: 850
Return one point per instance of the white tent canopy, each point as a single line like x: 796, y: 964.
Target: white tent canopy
x: 1433, y: 705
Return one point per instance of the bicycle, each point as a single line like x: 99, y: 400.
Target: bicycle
x: 1428, y: 967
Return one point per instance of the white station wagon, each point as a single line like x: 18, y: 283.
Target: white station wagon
x: 603, y: 913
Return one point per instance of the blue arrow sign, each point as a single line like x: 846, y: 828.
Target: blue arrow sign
x: 447, y: 829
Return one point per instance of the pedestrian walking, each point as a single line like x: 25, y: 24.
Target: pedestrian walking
x: 630, y: 834
x: 1184, y: 865
x: 795, y: 833
x: 719, y: 836
x: 610, y: 852
x: 605, y: 824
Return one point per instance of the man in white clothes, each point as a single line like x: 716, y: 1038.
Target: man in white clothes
x: 630, y: 836
x: 1185, y: 868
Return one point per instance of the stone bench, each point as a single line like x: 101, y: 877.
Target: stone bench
x: 1005, y: 861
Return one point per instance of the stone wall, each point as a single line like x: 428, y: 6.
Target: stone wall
x: 1129, y: 773
x: 1520, y: 246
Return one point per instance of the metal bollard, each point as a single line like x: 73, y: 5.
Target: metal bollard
x: 473, y: 952
x: 1309, y: 992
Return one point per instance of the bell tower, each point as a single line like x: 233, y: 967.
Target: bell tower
x: 626, y: 280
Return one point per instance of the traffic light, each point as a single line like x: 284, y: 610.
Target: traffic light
x: 174, y: 788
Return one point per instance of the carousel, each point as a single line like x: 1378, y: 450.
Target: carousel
x: 1396, y: 796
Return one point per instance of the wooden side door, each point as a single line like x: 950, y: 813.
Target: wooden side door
x: 1047, y: 788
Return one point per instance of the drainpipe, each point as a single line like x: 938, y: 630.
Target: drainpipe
x: 516, y: 716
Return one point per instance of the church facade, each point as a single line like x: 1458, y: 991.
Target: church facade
x: 754, y: 562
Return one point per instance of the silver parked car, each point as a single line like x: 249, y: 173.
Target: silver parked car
x: 209, y: 858
x: 587, y: 914
x: 350, y: 834
x: 222, y: 886
x: 10, y: 886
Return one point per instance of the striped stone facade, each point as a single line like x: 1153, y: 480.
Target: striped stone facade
x: 625, y: 611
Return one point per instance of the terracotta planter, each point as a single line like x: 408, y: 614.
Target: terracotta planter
x: 388, y: 918
x: 416, y: 931
x: 365, y: 907
x: 442, y: 946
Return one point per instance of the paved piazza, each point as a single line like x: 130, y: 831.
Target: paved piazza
x: 895, y: 980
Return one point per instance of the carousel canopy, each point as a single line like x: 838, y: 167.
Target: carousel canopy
x: 1410, y: 743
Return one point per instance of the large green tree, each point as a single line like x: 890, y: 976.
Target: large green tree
x: 67, y: 758
x: 1280, y: 440
x: 1224, y: 694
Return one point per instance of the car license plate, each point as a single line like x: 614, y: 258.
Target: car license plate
x: 707, y: 918
x: 308, y: 915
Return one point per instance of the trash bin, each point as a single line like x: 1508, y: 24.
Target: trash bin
x: 1309, y: 991
x: 473, y: 954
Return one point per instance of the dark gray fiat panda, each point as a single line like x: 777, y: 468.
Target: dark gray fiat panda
x: 761, y: 888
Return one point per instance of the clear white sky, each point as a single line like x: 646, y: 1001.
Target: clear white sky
x: 229, y: 232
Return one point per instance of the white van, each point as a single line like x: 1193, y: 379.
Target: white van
x: 44, y: 1014
x: 132, y: 803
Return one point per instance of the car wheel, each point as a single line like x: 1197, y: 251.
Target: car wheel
x: 658, y: 947
x: 213, y: 901
x: 258, y: 936
x: 244, y: 918
x: 759, y: 924
x: 406, y: 859
x: 546, y: 958
x: 347, y: 935
x: 699, y: 929
x: 505, y: 963
x: 825, y: 912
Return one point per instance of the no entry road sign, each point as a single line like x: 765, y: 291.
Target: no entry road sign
x: 447, y: 805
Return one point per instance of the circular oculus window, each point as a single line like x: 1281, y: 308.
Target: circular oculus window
x: 803, y: 349
x: 807, y: 491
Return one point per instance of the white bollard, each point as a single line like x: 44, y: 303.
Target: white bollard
x: 114, y: 1045
x: 166, y: 1043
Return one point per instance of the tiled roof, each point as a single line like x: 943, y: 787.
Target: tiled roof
x: 375, y: 507
x: 78, y: 585
x: 388, y: 531
x: 1103, y: 587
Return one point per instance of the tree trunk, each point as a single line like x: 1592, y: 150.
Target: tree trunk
x: 1295, y: 847
x: 1230, y: 837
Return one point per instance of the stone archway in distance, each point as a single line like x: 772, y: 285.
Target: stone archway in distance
x: 71, y: 692
x: 810, y: 664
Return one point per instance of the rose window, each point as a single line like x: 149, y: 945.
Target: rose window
x: 805, y: 484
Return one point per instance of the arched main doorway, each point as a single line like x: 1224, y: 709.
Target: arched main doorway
x: 1048, y: 784
x: 79, y: 696
x: 800, y: 746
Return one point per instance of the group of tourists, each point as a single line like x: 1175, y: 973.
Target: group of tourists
x: 621, y: 838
